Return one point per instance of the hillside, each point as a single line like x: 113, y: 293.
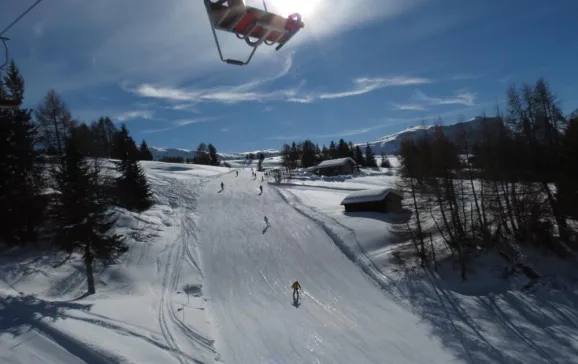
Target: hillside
x: 159, y: 152
x: 206, y: 280
x: 388, y: 144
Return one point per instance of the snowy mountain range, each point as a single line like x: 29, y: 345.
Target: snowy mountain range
x: 388, y: 144
x: 158, y: 153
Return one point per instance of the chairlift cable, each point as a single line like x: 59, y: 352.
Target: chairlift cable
x: 20, y: 17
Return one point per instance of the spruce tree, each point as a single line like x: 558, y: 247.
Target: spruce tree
x: 21, y: 184
x: 55, y: 122
x: 21, y: 178
x: 384, y: 161
x: 358, y: 156
x: 202, y: 155
x: 308, y: 156
x: 370, y: 157
x: 325, y: 155
x: 133, y: 190
x: 14, y: 83
x: 145, y: 153
x: 84, y: 224
x: 213, y: 156
x: 333, y: 150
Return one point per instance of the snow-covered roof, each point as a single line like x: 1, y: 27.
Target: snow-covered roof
x: 335, y: 162
x: 377, y: 194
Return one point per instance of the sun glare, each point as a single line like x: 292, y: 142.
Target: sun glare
x: 287, y: 7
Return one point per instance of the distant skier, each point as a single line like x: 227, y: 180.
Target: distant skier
x: 237, y: 172
x: 262, y: 179
x: 296, y: 287
x: 222, y: 186
x: 261, y: 188
x: 267, y: 220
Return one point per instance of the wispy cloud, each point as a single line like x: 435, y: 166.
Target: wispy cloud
x: 180, y: 123
x: 135, y: 114
x: 365, y: 85
x: 225, y: 130
x: 251, y: 92
x: 411, y: 107
x: 461, y: 97
x: 339, y: 134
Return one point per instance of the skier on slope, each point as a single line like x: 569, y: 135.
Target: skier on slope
x: 296, y: 287
x: 266, y: 221
x: 222, y: 186
x: 261, y: 188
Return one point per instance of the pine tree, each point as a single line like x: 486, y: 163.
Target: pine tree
x: 133, y: 190
x: 14, y: 83
x: 370, y: 157
x: 308, y: 156
x: 213, y: 156
x: 145, y: 153
x: 286, y: 156
x: 325, y: 154
x: 84, y: 223
x: 384, y: 161
x: 103, y: 132
x: 342, y: 149
x: 55, y: 122
x: 318, y: 155
x: 261, y: 159
x: 358, y: 156
x: 21, y: 184
x: 202, y: 155
x: 333, y: 150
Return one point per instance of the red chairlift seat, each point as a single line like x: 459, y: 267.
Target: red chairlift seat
x: 255, y: 26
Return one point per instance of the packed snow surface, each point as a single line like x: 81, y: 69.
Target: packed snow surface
x: 207, y: 281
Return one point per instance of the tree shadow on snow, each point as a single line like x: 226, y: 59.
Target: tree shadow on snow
x: 19, y: 313
x: 514, y: 327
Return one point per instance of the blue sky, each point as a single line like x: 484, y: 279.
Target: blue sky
x: 358, y: 70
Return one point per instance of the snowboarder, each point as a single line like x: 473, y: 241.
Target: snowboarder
x: 267, y: 221
x: 296, y: 287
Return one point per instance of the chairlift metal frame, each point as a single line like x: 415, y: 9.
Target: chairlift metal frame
x: 255, y: 26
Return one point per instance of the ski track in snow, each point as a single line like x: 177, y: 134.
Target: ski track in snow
x: 182, y: 197
x: 214, y: 246
x: 344, y: 317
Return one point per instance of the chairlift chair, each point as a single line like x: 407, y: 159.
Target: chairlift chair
x: 255, y: 26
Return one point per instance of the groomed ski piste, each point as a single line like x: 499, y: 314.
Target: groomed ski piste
x: 206, y: 281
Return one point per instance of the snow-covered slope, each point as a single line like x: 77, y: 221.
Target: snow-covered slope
x: 206, y: 281
x: 343, y: 316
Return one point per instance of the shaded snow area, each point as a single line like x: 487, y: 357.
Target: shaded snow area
x: 484, y: 320
x: 206, y: 280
